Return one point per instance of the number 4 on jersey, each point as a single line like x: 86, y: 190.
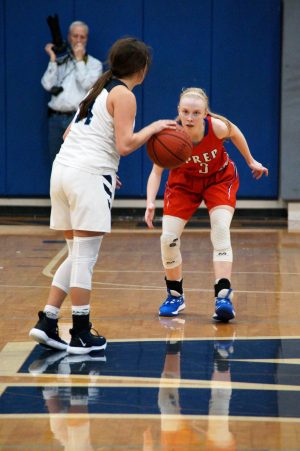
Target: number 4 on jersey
x: 88, y: 116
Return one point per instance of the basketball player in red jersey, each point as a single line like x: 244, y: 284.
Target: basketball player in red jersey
x: 209, y: 176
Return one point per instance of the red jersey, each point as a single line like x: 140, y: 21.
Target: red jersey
x: 208, y: 175
x: 208, y: 157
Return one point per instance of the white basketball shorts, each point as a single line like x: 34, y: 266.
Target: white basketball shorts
x: 81, y: 200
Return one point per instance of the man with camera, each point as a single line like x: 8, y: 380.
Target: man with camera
x: 71, y: 72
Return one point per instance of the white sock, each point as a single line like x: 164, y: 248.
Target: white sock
x: 80, y: 310
x: 51, y: 311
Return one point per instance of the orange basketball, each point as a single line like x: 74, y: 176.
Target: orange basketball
x: 170, y: 148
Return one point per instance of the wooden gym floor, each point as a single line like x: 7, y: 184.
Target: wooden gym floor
x: 162, y: 384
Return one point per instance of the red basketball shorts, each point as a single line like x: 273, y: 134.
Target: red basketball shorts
x: 184, y: 192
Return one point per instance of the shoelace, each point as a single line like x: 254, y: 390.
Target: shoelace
x: 96, y: 332
x: 223, y: 301
x: 172, y: 300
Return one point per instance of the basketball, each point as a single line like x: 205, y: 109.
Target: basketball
x: 170, y: 148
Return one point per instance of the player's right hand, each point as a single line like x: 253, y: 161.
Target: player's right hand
x: 149, y: 215
x: 160, y: 125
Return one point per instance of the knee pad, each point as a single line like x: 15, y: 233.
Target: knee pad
x: 170, y: 250
x: 84, y: 256
x: 220, y: 220
x: 62, y: 276
x: 168, y: 399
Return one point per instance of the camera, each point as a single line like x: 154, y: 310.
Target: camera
x: 61, y: 48
x: 55, y: 90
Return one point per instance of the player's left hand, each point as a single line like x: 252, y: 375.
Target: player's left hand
x: 149, y: 215
x: 258, y: 170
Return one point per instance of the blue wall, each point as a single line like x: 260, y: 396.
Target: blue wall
x: 231, y: 48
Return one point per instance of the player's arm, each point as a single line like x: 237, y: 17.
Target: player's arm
x: 121, y: 104
x: 152, y: 190
x: 222, y: 131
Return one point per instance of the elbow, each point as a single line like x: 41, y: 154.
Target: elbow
x: 124, y: 149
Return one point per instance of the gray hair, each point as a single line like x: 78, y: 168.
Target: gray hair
x: 79, y: 23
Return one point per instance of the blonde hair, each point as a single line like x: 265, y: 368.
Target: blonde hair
x: 198, y: 92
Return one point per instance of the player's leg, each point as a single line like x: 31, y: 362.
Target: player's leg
x: 220, y: 219
x: 85, y: 254
x: 179, y: 206
x: 46, y: 330
x: 95, y: 194
x: 220, y: 199
x: 172, y: 228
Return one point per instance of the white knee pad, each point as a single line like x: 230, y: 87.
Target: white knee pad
x: 220, y: 220
x: 170, y: 250
x: 170, y: 241
x: 84, y: 256
x: 62, y: 276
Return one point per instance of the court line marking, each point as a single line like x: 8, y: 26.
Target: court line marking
x: 47, y: 271
x: 236, y: 337
x: 120, y: 286
x: 141, y: 382
x: 276, y: 361
x: 192, y: 272
x: 143, y: 416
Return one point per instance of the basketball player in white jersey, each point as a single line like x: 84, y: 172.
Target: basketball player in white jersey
x: 82, y: 188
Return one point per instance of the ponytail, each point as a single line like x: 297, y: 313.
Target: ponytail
x: 93, y: 94
x: 127, y: 56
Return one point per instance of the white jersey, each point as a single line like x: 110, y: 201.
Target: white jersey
x: 90, y: 144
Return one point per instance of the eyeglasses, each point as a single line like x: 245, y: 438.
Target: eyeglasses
x: 194, y: 115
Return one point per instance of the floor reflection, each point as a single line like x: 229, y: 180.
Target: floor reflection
x: 220, y: 377
x: 72, y: 431
x: 178, y: 432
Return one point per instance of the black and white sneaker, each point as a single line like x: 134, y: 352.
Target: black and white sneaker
x: 45, y: 332
x: 83, y: 342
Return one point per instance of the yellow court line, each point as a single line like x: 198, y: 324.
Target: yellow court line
x: 204, y: 230
x: 120, y: 286
x: 276, y: 361
x: 141, y: 416
x: 216, y: 338
x: 145, y: 382
x: 12, y: 357
x: 133, y: 271
x: 47, y: 271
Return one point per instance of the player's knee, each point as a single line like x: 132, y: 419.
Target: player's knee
x: 84, y: 256
x: 170, y: 250
x: 220, y: 235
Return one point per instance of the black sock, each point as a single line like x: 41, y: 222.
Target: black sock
x: 81, y: 322
x: 173, y: 347
x: 221, y: 285
x: 174, y: 285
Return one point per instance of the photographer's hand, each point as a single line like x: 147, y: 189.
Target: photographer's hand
x: 79, y: 51
x: 49, y: 50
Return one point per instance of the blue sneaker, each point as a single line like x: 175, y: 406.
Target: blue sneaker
x: 224, y: 310
x: 172, y: 305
